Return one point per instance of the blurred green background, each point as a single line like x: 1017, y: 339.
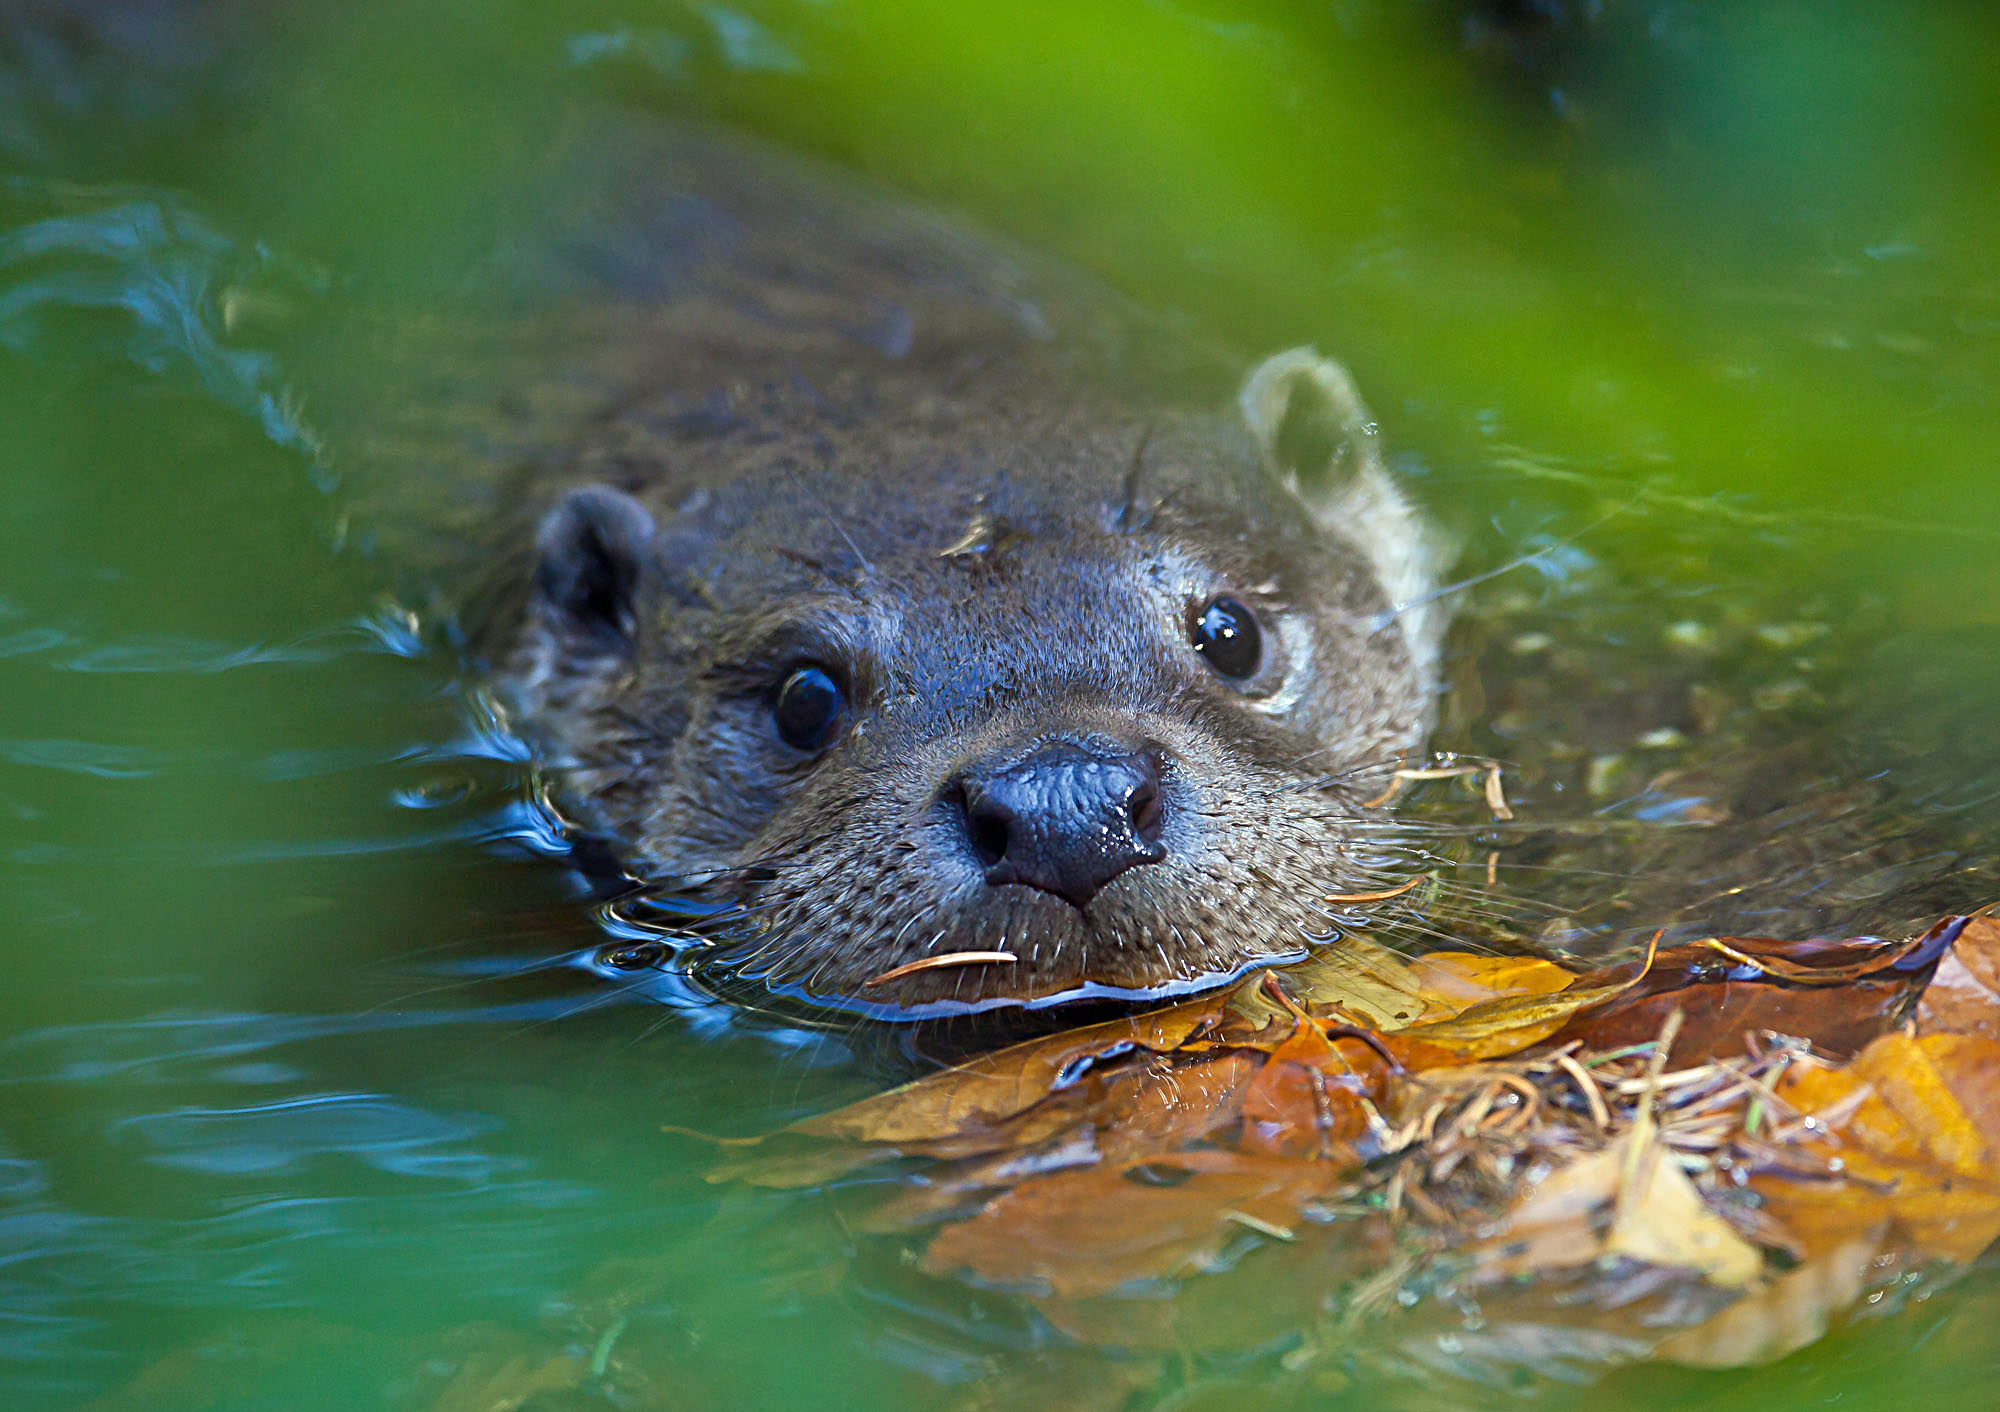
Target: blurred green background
x: 299, y: 1099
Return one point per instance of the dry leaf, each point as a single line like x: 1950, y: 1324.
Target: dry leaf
x: 1511, y: 1023
x: 1662, y: 1220
x: 1964, y: 995
x: 1368, y: 982
x: 1560, y: 1221
x: 1905, y: 1148
x: 1000, y: 1085
x: 1465, y: 979
x: 1090, y: 1232
x: 1429, y: 1091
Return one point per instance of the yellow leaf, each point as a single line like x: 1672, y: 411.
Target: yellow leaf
x: 1662, y: 1220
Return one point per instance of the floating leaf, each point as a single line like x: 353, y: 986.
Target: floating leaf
x: 1964, y: 995
x: 1902, y: 1146
x: 1003, y: 1084
x: 1661, y: 1219
x: 1092, y: 1232
x: 1630, y: 1147
x: 1511, y: 1023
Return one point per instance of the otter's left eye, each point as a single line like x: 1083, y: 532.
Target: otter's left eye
x: 808, y: 709
x: 1226, y: 634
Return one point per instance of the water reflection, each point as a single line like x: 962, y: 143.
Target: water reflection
x: 179, y: 280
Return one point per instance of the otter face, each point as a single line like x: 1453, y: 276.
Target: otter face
x: 1093, y: 709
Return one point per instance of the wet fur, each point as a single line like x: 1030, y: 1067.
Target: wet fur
x: 992, y: 494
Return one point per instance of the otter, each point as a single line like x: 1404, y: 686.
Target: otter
x: 880, y: 593
x: 1089, y: 694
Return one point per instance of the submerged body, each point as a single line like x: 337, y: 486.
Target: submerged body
x: 877, y: 610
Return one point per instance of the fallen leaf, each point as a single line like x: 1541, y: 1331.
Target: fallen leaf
x: 1091, y: 1232
x: 1904, y: 1147
x: 1465, y: 979
x: 1839, y: 1020
x: 1156, y: 1111
x: 1312, y: 1095
x: 1559, y: 1222
x: 1000, y: 1085
x: 1964, y: 995
x: 1368, y: 982
x: 1662, y: 1220
x: 1584, y: 1140
x: 1839, y: 994
x: 1617, y: 1202
x: 1511, y: 1023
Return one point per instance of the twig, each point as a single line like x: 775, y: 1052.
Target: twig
x: 1373, y: 896
x: 950, y: 958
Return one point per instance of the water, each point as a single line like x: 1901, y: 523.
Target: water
x: 310, y: 1095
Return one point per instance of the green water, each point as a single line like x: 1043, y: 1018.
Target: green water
x: 306, y: 1097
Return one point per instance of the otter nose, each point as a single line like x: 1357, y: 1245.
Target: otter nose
x: 1064, y: 820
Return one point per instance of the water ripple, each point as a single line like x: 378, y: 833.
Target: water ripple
x: 176, y: 277
x: 272, y: 1137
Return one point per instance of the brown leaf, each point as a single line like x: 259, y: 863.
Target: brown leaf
x: 1838, y: 994
x: 1839, y: 1019
x: 1625, y: 1199
x: 998, y: 1086
x: 1159, y: 1110
x: 1819, y: 960
x: 1312, y: 1094
x: 1143, y: 1149
x: 1092, y: 1231
x: 1964, y: 995
x: 1559, y: 1222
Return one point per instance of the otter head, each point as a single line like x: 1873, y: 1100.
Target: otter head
x: 1092, y: 693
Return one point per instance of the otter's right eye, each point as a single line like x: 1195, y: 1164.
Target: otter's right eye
x: 1225, y: 632
x: 808, y: 709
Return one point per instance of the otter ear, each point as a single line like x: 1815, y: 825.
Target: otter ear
x: 1309, y: 423
x: 1313, y: 432
x: 592, y: 549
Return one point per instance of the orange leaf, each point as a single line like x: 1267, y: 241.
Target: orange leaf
x: 1907, y: 1148
x: 1310, y: 1094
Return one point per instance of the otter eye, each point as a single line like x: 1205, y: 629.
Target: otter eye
x: 1225, y: 632
x: 808, y: 709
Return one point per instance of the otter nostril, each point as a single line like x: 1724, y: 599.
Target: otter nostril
x: 1064, y: 821
x: 1148, y: 812
x: 989, y: 826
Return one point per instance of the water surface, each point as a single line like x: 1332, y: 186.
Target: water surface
x: 310, y: 1096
